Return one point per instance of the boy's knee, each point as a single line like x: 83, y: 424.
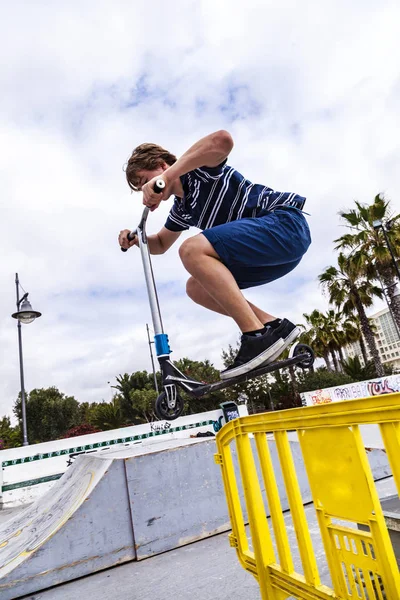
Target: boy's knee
x: 191, y: 287
x: 188, y: 249
x: 194, y: 247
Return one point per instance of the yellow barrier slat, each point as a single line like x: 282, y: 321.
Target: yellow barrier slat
x: 260, y: 535
x: 391, y: 438
x: 334, y: 564
x: 296, y: 585
x: 234, y: 505
x: 274, y: 503
x: 296, y: 508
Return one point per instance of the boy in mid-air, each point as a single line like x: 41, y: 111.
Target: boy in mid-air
x: 251, y: 235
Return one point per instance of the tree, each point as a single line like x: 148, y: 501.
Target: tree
x: 126, y: 385
x: 284, y: 393
x: 321, y: 379
x: 352, y: 333
x: 317, y: 336
x: 333, y: 324
x: 143, y: 401
x: 87, y: 412
x: 137, y: 395
x: 330, y: 332
x: 350, y: 287
x: 203, y: 371
x: 83, y: 429
x: 50, y: 414
x: 369, y: 244
x: 109, y: 415
x: 357, y: 371
x: 10, y: 437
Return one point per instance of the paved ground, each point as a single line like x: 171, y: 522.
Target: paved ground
x: 206, y: 570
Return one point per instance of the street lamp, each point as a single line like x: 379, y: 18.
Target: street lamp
x: 379, y: 225
x: 396, y: 292
x: 25, y: 314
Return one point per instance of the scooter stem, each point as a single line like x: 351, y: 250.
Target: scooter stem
x: 160, y: 338
x: 149, y: 276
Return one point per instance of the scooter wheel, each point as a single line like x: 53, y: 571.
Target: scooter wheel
x: 163, y: 411
x: 303, y: 349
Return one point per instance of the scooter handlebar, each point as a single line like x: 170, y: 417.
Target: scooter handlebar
x: 158, y: 188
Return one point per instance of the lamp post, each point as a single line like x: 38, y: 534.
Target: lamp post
x: 387, y: 298
x: 379, y: 225
x: 25, y: 314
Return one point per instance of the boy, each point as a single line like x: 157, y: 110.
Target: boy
x: 251, y: 235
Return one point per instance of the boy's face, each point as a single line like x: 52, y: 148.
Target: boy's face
x: 144, y: 175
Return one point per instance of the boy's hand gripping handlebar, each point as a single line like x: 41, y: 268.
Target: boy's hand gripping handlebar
x: 158, y: 188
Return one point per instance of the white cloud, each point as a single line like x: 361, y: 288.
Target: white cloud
x: 309, y: 91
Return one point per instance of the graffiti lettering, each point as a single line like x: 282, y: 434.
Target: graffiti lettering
x: 377, y: 388
x: 321, y: 397
x: 217, y: 425
x: 160, y: 426
x: 361, y: 389
x: 341, y: 393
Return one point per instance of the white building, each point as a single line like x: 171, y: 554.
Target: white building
x: 387, y: 340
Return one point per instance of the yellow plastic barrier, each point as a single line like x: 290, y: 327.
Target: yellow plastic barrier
x: 361, y: 562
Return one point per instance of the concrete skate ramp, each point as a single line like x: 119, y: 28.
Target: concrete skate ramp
x: 55, y: 540
x: 129, y: 505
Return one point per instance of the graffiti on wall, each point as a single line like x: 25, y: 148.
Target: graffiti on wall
x: 376, y: 388
x: 159, y: 426
x: 361, y: 389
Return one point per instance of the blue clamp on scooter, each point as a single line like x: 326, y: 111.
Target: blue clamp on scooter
x: 169, y: 404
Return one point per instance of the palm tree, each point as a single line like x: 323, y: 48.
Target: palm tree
x: 317, y: 336
x: 370, y: 246
x: 357, y: 371
x: 334, y: 323
x: 330, y: 331
x: 352, y: 333
x: 109, y: 415
x: 350, y: 288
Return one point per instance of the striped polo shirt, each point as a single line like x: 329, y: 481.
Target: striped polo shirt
x: 217, y: 195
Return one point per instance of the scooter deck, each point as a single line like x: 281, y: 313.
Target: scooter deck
x: 263, y: 370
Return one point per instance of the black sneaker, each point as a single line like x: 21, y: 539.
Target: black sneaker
x: 288, y: 332
x: 254, y: 351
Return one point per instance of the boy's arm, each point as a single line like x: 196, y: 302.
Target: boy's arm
x: 210, y: 151
x: 158, y: 243
x: 163, y: 240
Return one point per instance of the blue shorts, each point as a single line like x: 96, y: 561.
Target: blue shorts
x: 261, y: 249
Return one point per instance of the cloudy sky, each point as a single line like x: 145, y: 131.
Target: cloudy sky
x: 310, y: 92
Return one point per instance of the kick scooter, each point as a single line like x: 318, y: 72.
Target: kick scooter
x: 169, y: 404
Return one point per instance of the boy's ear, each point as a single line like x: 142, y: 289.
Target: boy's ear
x: 164, y: 165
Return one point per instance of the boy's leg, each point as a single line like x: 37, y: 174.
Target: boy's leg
x: 258, y: 344
x: 198, y: 294
x: 203, y: 263
x: 257, y: 250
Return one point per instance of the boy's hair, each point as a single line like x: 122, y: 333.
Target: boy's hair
x: 148, y: 157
